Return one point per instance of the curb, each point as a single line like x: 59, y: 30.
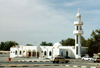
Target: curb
x: 35, y: 61
x: 96, y: 64
x: 37, y: 65
x: 22, y: 61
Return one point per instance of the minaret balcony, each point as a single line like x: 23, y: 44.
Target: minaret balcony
x: 78, y: 32
x: 78, y: 23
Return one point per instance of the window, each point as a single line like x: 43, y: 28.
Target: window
x: 16, y: 52
x: 77, y: 50
x: 50, y: 53
x: 77, y: 39
x: 77, y: 28
x: 20, y: 52
x: 45, y: 53
x: 41, y: 51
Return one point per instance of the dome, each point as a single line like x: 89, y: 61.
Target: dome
x: 57, y: 45
x: 78, y: 15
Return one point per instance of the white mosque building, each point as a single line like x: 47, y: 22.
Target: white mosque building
x: 57, y: 49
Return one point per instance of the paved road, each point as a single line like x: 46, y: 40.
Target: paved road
x: 86, y: 63
x: 46, y: 67
x: 73, y: 62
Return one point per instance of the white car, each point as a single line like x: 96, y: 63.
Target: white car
x: 87, y: 58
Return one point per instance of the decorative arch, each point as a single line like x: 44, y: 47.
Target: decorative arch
x: 29, y: 53
x: 29, y: 50
x: 34, y: 53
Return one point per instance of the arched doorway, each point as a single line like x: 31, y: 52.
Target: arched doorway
x: 49, y: 53
x: 45, y: 53
x: 66, y: 53
x: 29, y: 53
x: 34, y: 53
x: 37, y: 54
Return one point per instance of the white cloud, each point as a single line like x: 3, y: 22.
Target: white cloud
x: 24, y: 20
x: 30, y: 21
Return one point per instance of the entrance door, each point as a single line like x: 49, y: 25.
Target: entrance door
x: 29, y: 54
x: 37, y: 54
x: 34, y: 54
x: 66, y: 53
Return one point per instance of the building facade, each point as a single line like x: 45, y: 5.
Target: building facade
x: 45, y: 51
x: 57, y: 49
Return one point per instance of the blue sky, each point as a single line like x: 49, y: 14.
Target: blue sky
x: 34, y: 21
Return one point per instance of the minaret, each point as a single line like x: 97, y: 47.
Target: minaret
x: 78, y: 32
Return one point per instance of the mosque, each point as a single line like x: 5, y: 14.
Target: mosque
x: 57, y: 49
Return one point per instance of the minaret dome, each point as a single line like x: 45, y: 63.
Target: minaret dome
x: 78, y: 15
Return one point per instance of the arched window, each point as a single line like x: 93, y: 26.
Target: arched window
x: 20, y: 52
x: 49, y: 53
x: 16, y: 52
x: 45, y: 53
x: 77, y: 50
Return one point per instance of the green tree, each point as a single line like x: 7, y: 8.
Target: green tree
x: 6, y: 45
x: 64, y: 42
x: 50, y: 44
x: 83, y: 42
x: 46, y: 44
x: 29, y: 45
x: 68, y: 42
x: 94, y: 42
x: 2, y: 46
x: 43, y: 43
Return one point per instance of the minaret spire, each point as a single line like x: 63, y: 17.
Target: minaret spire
x: 78, y: 32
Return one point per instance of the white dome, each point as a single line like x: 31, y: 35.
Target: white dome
x: 78, y: 15
x: 57, y: 45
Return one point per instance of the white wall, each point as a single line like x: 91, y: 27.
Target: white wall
x: 20, y: 55
x: 12, y: 52
x: 56, y: 51
x: 42, y: 49
x: 50, y: 49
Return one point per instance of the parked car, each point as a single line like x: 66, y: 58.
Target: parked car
x: 96, y: 60
x: 87, y: 58
x: 59, y: 59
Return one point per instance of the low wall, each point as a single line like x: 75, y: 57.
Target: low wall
x: 4, y: 55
